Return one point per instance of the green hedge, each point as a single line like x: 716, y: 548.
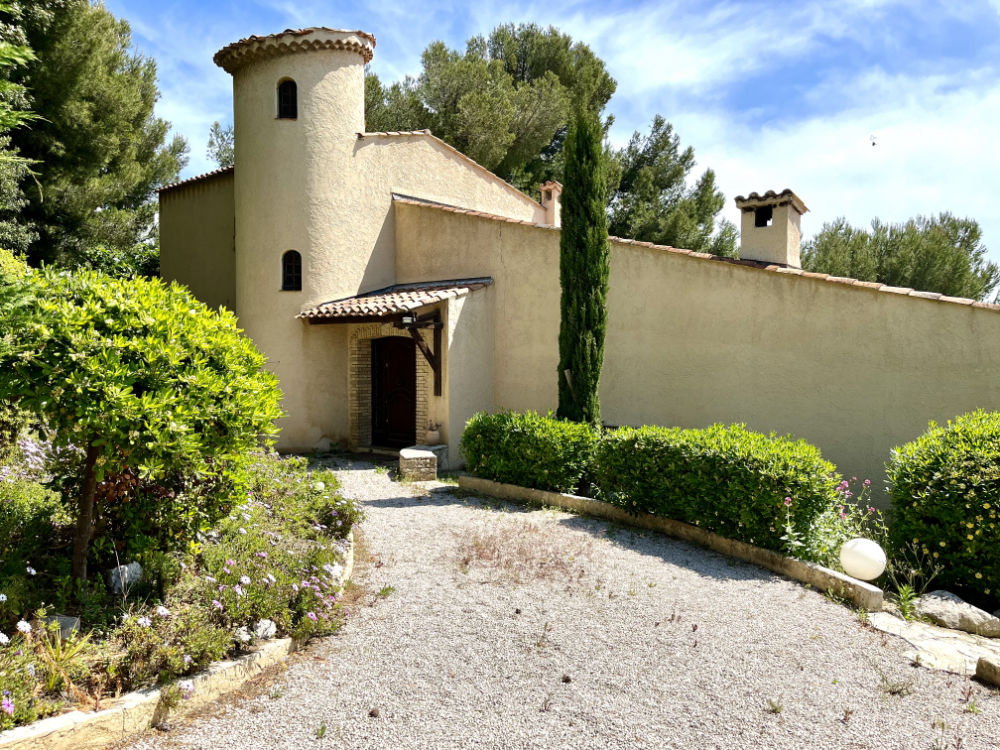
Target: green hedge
x: 529, y: 450
x: 945, y: 489
x: 724, y: 479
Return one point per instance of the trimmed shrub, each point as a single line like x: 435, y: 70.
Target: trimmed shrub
x: 529, y: 450
x: 137, y: 376
x: 727, y: 480
x: 945, y: 489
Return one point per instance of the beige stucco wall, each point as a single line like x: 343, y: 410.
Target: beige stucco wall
x: 197, y: 247
x: 469, y: 365
x: 694, y: 341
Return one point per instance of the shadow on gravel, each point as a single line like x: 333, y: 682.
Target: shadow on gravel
x: 704, y: 562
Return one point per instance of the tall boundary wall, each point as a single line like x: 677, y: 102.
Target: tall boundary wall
x: 694, y: 340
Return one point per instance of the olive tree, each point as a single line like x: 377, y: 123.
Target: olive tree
x: 135, y: 374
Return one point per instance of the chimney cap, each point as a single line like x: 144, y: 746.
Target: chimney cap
x: 771, y: 198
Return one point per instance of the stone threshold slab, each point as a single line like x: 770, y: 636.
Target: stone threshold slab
x: 863, y: 594
x: 140, y: 710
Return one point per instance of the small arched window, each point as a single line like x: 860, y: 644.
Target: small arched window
x: 291, y: 272
x: 288, y: 102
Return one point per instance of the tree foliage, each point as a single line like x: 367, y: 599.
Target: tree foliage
x: 505, y: 101
x: 583, y: 273
x: 941, y: 254
x: 651, y: 200
x: 136, y: 375
x: 14, y: 168
x: 99, y: 150
x: 221, y: 145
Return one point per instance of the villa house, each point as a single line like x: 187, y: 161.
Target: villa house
x: 393, y: 282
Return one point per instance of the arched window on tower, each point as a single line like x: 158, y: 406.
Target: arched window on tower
x: 291, y: 272
x: 288, y: 102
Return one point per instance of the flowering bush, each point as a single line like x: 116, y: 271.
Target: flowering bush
x: 277, y: 556
x: 945, y: 489
x: 34, y: 525
x: 138, y: 375
x: 38, y: 671
x: 852, y: 517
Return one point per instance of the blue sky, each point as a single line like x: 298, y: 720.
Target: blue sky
x: 770, y: 94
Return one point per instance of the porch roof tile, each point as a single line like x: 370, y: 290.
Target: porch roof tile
x: 394, y: 300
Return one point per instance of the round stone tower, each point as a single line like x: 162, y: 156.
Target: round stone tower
x: 298, y: 105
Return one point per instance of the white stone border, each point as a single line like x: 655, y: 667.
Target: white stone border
x: 861, y: 593
x: 138, y: 711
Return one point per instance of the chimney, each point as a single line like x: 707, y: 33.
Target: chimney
x: 770, y: 228
x: 551, y: 191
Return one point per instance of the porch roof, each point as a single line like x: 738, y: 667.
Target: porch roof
x: 391, y: 301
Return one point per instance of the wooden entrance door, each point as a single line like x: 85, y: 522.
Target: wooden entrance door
x: 394, y: 392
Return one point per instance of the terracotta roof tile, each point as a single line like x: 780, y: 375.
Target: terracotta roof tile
x: 854, y: 283
x: 771, y: 198
x: 394, y: 300
x: 234, y: 56
x: 198, y: 178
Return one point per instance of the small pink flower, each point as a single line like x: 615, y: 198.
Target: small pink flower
x: 311, y: 616
x: 217, y: 604
x: 8, y: 706
x: 843, y: 515
x: 868, y: 483
x: 788, y: 502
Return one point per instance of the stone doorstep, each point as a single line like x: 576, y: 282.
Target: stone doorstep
x: 861, y: 593
x: 138, y: 711
x: 419, y: 463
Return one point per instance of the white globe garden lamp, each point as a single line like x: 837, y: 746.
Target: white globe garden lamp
x: 862, y: 559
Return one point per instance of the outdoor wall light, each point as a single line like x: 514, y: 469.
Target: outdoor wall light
x: 409, y: 320
x: 862, y: 559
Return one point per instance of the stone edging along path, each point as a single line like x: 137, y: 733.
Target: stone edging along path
x: 862, y: 594
x: 138, y: 711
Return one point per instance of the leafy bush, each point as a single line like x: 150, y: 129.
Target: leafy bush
x: 37, y: 671
x: 137, y: 376
x: 832, y: 527
x: 35, y: 531
x: 945, y: 489
x: 278, y: 555
x: 727, y: 480
x: 529, y: 450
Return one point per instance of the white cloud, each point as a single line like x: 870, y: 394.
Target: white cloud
x: 935, y: 146
x: 935, y: 151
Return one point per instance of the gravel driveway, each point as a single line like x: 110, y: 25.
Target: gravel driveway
x: 502, y: 627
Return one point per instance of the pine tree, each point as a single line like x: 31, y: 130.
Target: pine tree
x: 583, y: 272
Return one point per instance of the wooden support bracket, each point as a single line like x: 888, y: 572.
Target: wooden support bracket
x: 433, y: 357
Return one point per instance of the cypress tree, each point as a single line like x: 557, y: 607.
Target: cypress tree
x: 583, y: 272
